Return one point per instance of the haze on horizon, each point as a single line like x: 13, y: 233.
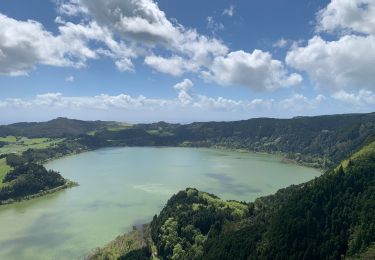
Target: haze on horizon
x: 146, y: 61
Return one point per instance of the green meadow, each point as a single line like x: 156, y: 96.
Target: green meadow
x: 20, y: 144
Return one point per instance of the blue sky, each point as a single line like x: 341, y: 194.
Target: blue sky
x: 183, y: 61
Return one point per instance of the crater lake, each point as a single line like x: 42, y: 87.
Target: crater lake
x: 123, y: 187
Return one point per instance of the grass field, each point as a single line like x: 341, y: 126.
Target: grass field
x: 367, y: 149
x: 20, y: 144
x: 9, y: 139
x: 113, y: 127
x: 119, y: 126
x: 4, y: 168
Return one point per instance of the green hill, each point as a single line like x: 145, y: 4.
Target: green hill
x: 320, y: 141
x: 56, y: 128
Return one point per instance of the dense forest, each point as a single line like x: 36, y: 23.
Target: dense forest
x: 330, y: 217
x: 29, y: 179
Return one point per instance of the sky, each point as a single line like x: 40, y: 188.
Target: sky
x: 182, y: 61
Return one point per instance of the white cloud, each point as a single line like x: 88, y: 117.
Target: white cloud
x: 143, y: 24
x: 346, y: 63
x: 281, y: 43
x: 24, y: 44
x: 125, y: 30
x: 185, y: 85
x: 229, y: 11
x: 186, y: 106
x: 185, y: 100
x: 79, y: 36
x: 141, y: 20
x: 175, y: 66
x: 69, y: 79
x: 362, y: 98
x: 299, y: 103
x: 256, y: 70
x: 349, y: 16
x: 184, y: 94
x: 70, y: 8
x: 144, y: 27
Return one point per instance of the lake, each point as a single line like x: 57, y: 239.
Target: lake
x: 122, y: 187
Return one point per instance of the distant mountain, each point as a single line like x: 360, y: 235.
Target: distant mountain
x: 59, y: 127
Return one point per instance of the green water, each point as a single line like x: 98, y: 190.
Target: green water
x: 122, y: 187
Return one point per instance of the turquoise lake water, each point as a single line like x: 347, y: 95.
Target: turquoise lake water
x: 122, y: 187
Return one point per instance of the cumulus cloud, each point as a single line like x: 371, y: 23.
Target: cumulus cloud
x: 347, y: 61
x: 256, y: 70
x: 70, y: 8
x: 362, y: 98
x: 126, y: 30
x: 144, y: 25
x: 299, y: 102
x: 175, y: 66
x: 80, y: 35
x: 141, y: 25
x: 142, y: 22
x: 184, y: 85
x: 184, y: 95
x: 136, y: 20
x: 349, y: 16
x: 24, y: 44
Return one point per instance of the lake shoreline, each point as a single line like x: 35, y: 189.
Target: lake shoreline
x: 67, y: 185
x: 71, y: 184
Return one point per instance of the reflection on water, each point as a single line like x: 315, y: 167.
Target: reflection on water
x: 122, y: 187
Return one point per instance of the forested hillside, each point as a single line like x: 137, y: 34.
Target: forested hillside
x: 326, y: 218
x: 59, y: 127
x: 320, y: 141
x: 29, y: 179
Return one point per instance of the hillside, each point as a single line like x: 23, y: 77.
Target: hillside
x: 320, y: 141
x: 56, y: 128
x: 330, y: 217
x: 26, y: 180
